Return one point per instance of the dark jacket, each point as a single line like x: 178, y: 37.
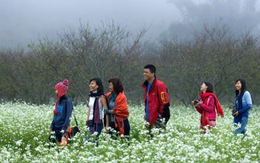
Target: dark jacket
x: 63, y: 116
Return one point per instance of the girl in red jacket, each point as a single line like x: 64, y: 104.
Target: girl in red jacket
x: 208, y: 106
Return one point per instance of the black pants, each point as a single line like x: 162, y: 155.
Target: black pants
x: 58, y: 134
x: 127, y: 127
x: 112, y: 134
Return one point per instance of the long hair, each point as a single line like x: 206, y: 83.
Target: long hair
x: 210, y: 87
x: 98, y: 81
x: 117, y: 84
x: 243, y: 89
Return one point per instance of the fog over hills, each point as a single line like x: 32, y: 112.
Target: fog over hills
x: 26, y: 21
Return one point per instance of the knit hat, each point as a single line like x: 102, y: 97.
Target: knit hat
x: 62, y: 87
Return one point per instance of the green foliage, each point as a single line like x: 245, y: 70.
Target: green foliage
x: 214, y: 54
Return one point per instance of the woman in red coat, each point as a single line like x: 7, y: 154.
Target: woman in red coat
x: 208, y: 106
x: 117, y: 108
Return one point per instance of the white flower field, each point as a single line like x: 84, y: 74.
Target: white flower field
x: 24, y: 131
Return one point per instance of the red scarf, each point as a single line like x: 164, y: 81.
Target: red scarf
x: 55, y: 112
x: 205, y: 96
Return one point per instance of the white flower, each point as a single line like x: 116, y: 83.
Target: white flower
x: 19, y: 142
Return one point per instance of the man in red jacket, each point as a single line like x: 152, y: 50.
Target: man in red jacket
x: 156, y: 99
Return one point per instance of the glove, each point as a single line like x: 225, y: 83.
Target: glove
x: 62, y: 131
x: 106, y: 111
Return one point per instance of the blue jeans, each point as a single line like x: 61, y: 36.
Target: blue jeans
x: 95, y: 128
x: 242, y: 119
x: 98, y: 129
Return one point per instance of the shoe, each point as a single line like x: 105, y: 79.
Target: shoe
x: 147, y: 126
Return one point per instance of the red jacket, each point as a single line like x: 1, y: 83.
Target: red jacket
x: 157, y: 98
x: 121, y: 109
x: 207, y: 108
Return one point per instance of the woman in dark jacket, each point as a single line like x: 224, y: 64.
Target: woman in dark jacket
x: 62, y: 112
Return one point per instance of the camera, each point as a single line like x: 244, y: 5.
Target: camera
x: 196, y: 102
x: 233, y: 112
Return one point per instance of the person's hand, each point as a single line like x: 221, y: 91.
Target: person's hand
x: 62, y: 131
x: 106, y: 111
x: 198, y: 104
x: 50, y: 129
x: 236, y: 113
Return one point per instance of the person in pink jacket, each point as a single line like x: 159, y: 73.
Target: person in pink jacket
x: 208, y: 106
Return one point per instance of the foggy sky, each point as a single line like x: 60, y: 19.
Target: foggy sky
x: 26, y: 21
x: 240, y: 16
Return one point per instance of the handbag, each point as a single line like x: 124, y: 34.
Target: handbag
x: 75, y: 129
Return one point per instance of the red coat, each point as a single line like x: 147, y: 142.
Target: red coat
x: 207, y: 111
x: 121, y: 111
x: 157, y: 98
x: 209, y: 108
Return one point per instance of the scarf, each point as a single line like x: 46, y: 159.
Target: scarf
x: 219, y: 109
x: 96, y: 118
x: 95, y: 94
x: 113, y: 97
x: 119, y: 124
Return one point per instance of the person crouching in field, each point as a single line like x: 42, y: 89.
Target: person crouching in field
x: 62, y: 113
x: 207, y: 105
x: 117, y: 108
x: 97, y: 102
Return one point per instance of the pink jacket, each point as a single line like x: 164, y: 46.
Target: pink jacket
x: 207, y: 109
